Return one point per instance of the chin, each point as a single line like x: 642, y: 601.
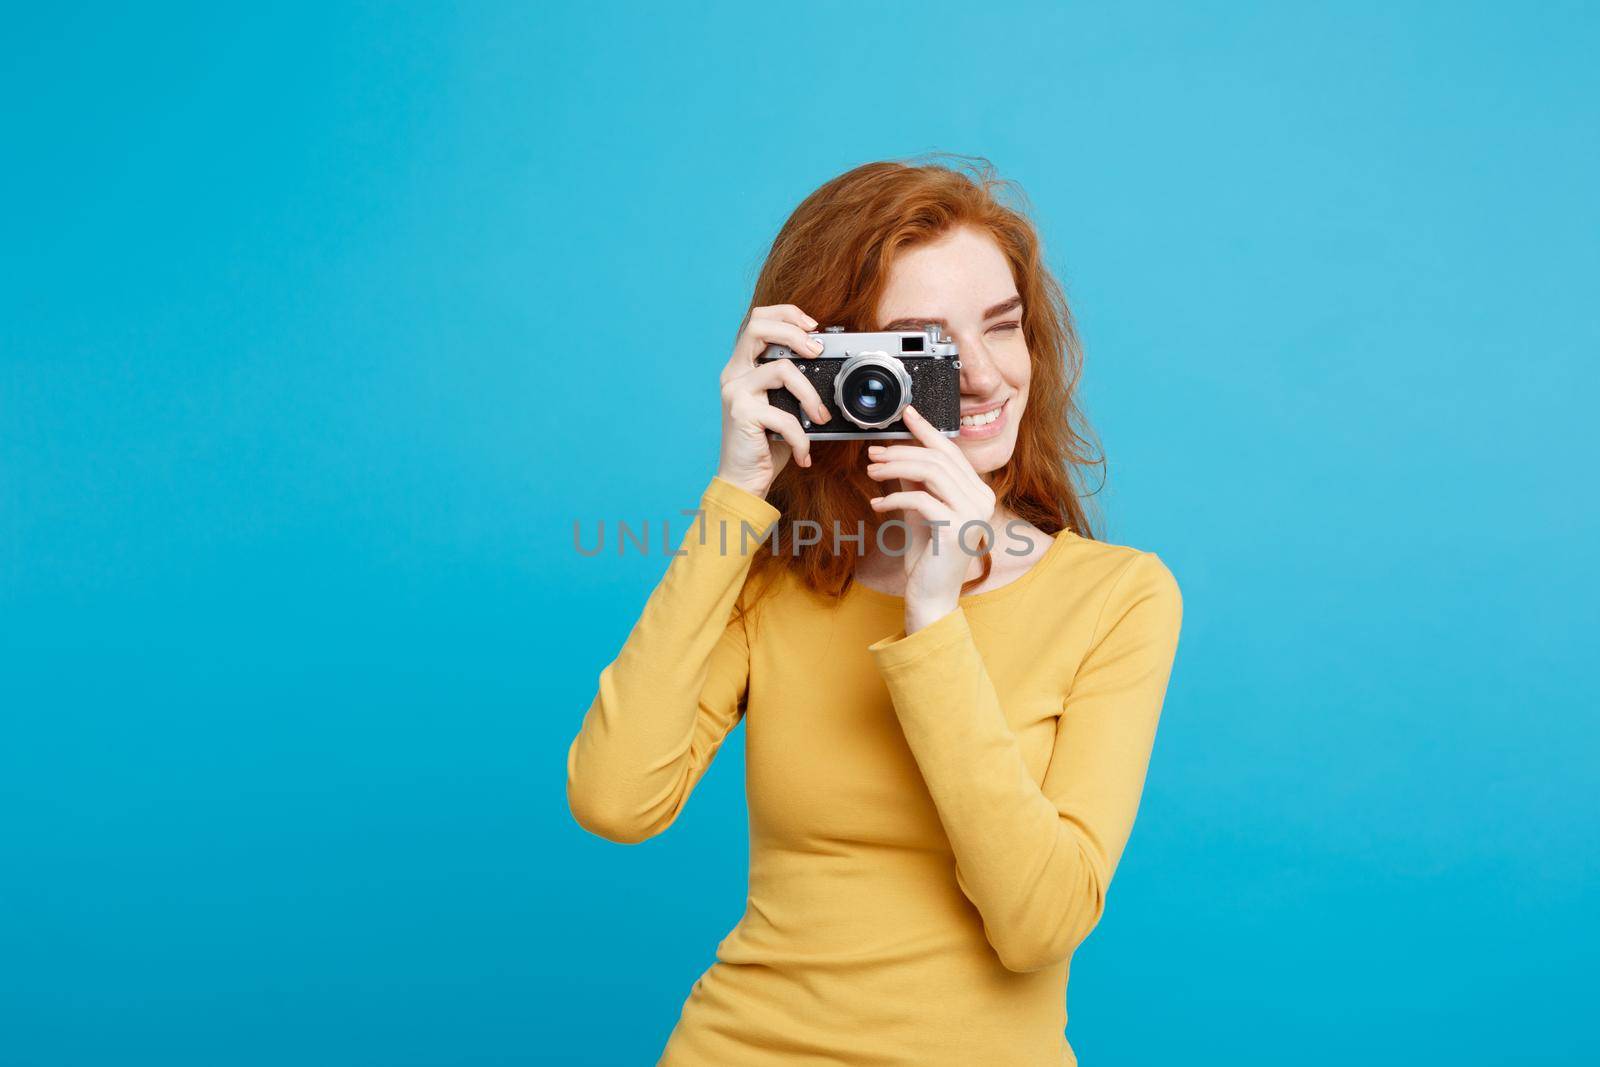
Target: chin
x: 989, y: 456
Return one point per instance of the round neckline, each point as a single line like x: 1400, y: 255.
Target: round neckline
x: 986, y: 595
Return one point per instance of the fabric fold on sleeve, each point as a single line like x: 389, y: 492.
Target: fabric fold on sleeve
x: 665, y: 704
x: 1036, y: 859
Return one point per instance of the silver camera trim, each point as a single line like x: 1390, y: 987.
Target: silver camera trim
x: 872, y: 359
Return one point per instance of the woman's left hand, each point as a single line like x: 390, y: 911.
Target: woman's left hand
x: 940, y: 494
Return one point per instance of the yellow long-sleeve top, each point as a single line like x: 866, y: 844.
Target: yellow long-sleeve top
x: 934, y: 818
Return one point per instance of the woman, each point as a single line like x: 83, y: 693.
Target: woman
x: 945, y: 747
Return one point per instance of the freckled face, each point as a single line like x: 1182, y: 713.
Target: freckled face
x: 963, y: 281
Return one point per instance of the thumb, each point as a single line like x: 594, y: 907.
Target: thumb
x: 782, y: 451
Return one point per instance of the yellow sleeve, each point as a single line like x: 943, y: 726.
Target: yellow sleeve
x: 677, y: 687
x: 1036, y: 859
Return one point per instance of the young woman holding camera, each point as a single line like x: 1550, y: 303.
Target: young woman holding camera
x: 945, y: 749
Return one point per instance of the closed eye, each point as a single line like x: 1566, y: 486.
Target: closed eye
x: 1006, y: 326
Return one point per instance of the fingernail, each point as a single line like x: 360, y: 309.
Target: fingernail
x: 816, y: 346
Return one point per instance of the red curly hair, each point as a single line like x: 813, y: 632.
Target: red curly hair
x: 832, y: 259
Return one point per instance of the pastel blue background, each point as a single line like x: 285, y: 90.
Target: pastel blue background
x: 320, y: 326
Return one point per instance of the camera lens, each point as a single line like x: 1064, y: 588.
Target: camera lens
x: 872, y: 392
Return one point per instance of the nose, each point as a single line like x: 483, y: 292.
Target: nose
x: 979, y: 375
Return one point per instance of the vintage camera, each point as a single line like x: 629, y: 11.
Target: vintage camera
x: 867, y: 379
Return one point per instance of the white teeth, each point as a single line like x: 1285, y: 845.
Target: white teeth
x: 983, y: 419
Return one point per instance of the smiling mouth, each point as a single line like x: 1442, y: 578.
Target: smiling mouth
x: 980, y: 421
x: 983, y: 419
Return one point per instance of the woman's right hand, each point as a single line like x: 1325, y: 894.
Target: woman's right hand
x: 750, y: 459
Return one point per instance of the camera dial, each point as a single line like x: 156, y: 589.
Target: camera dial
x: 872, y: 389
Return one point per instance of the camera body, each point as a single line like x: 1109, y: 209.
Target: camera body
x: 867, y: 379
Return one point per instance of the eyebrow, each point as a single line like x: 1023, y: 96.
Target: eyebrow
x: 1011, y: 303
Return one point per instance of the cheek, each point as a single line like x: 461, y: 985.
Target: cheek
x: 1016, y: 367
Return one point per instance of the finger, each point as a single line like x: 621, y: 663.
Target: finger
x: 799, y: 385
x: 924, y: 432
x: 761, y: 332
x: 958, y: 466
x: 786, y: 426
x: 915, y: 501
x: 934, y: 476
x: 786, y: 312
x: 887, y: 452
x: 783, y: 373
